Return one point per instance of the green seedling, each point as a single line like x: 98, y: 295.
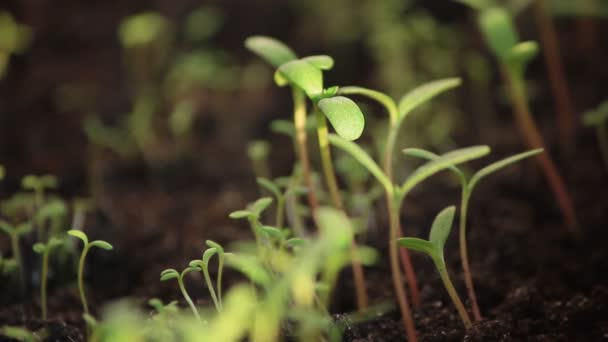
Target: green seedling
x: 440, y: 231
x: 173, y: 274
x: 203, y: 265
x: 397, y: 194
x: 500, y: 35
x: 396, y: 115
x: 85, y: 250
x: 14, y: 39
x: 44, y: 250
x: 279, y: 197
x: 38, y: 185
x: 52, y: 212
x: 468, y: 184
x: 253, y: 215
x: 598, y: 118
x: 15, y: 232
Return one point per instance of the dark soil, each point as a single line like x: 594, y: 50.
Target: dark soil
x: 534, y: 281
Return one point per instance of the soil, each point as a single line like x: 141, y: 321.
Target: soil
x: 534, y: 281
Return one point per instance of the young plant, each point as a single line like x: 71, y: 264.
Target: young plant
x: 397, y: 114
x: 468, y: 184
x: 397, y: 194
x: 253, y: 215
x: 279, y: 197
x: 44, y: 249
x: 15, y: 232
x: 173, y: 274
x: 38, y: 185
x: 598, y: 118
x: 85, y: 250
x: 440, y: 230
x: 203, y: 265
x: 500, y: 35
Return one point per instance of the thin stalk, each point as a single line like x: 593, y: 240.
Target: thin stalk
x: 406, y: 261
x: 299, y: 119
x: 182, y: 288
x: 534, y: 140
x: 406, y: 314
x: 555, y: 71
x: 464, y: 255
x: 43, y: 284
x: 332, y: 185
x: 83, y: 297
x: 219, y: 279
x: 211, y: 290
x: 280, y: 212
x: 19, y: 260
x: 602, y: 137
x: 443, y: 273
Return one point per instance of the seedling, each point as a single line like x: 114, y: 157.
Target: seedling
x: 468, y: 184
x: 440, y: 231
x: 599, y: 119
x: 52, y: 212
x: 396, y: 194
x: 15, y: 232
x: 85, y: 250
x: 203, y: 266
x: 397, y: 114
x: 44, y: 250
x: 500, y: 35
x: 253, y: 215
x: 279, y: 197
x: 173, y: 274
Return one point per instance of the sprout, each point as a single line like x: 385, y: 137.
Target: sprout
x: 279, y: 197
x: 15, y: 232
x: 44, y: 250
x: 440, y: 231
x: 85, y: 250
x: 173, y: 274
x: 203, y: 265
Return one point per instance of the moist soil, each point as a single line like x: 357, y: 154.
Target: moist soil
x: 534, y: 280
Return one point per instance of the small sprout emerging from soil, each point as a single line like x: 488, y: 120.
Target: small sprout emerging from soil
x: 174, y: 274
x: 203, y: 265
x: 598, y: 118
x: 468, y: 184
x: 440, y: 231
x: 85, y: 250
x: 44, y: 249
x: 14, y: 233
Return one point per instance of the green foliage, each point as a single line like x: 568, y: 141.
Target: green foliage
x: 44, y: 250
x: 344, y: 115
x: 423, y: 94
x: 171, y: 273
x: 271, y: 50
x: 142, y: 29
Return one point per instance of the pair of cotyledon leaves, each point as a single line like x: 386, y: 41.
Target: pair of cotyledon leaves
x: 307, y: 74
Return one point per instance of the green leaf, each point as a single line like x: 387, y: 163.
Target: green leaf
x: 363, y: 158
x: 380, y: 97
x: 303, y: 75
x: 293, y: 242
x: 521, y: 54
x: 499, y: 165
x: 270, y: 186
x: 207, y: 255
x: 23, y: 228
x: 335, y: 227
x: 260, y: 205
x: 322, y: 62
x: 420, y: 153
x: 271, y: 50
x: 273, y: 232
x: 39, y: 247
x: 215, y: 245
x: 367, y: 255
x: 424, y: 93
x: 344, y: 115
x: 199, y: 264
x: 6, y: 227
x: 445, y: 161
x: 168, y: 274
x: 250, y: 267
x: 102, y: 244
x: 418, y: 245
x: 239, y: 214
x: 283, y: 127
x: 499, y: 32
x: 79, y: 234
x: 596, y: 117
x: 442, y: 225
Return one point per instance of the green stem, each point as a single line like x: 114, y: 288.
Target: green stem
x: 406, y: 314
x: 602, y: 136
x: 280, y: 220
x: 534, y: 140
x: 182, y: 288
x: 443, y: 273
x: 83, y: 297
x: 43, y: 282
x: 18, y: 260
x: 464, y: 255
x: 220, y: 269
x: 299, y: 118
x: 211, y: 290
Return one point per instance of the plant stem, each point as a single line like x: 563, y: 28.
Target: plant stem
x: 406, y: 314
x: 83, y: 297
x: 182, y: 288
x: 464, y: 255
x: 211, y: 290
x: 555, y: 71
x: 332, y: 185
x: 299, y: 119
x: 43, y: 282
x: 534, y: 140
x: 406, y: 261
x: 220, y: 269
x: 602, y: 137
x: 443, y: 273
x: 19, y: 260
x: 280, y: 212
